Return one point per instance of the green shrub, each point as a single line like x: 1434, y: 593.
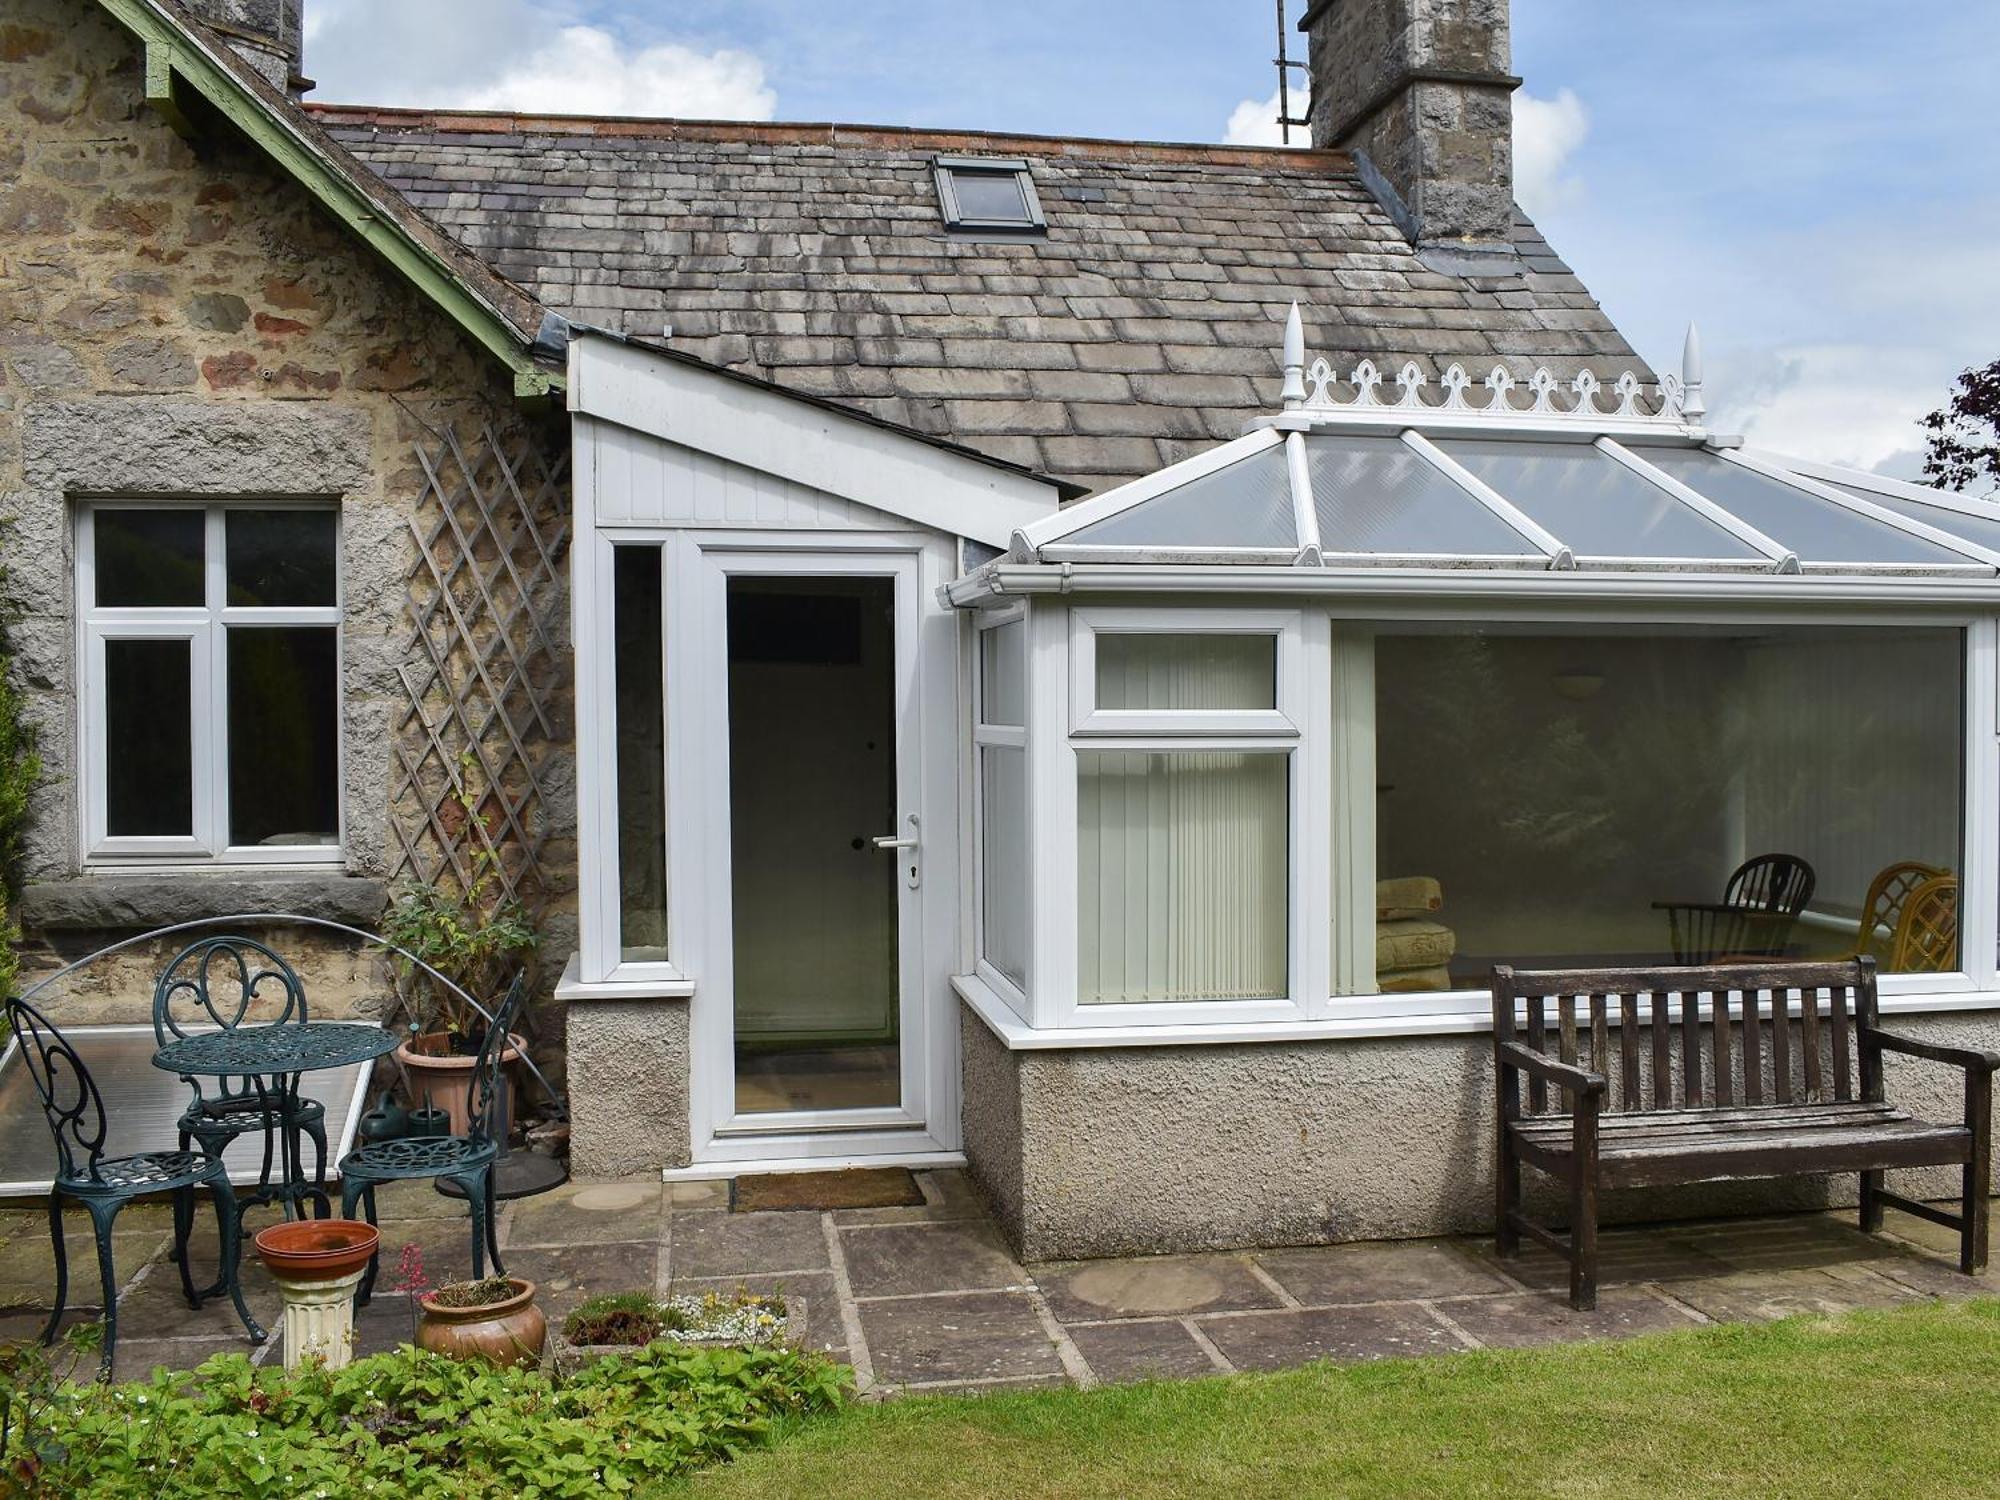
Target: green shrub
x: 20, y: 769
x: 412, y: 1424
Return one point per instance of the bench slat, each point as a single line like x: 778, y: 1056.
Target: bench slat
x: 1781, y: 1044
x: 1663, y: 1069
x: 1628, y: 1053
x: 1843, y: 1087
x: 1815, y: 1078
x: 1691, y: 1095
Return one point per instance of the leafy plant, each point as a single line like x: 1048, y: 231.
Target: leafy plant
x: 412, y: 1424
x: 615, y: 1318
x: 1964, y: 442
x: 20, y: 770
x: 471, y: 936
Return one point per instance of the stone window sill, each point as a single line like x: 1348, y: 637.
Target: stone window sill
x: 116, y: 902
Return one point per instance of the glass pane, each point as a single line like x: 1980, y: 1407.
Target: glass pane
x: 1247, y: 504
x: 1816, y: 529
x: 150, y: 557
x: 1003, y: 859
x: 990, y: 197
x: 1597, y: 506
x: 812, y: 780
x: 1378, y: 495
x: 1577, y: 800
x: 1186, y: 671
x: 1003, y: 690
x: 278, y: 557
x: 149, y: 767
x: 640, y: 683
x: 1984, y: 530
x: 284, y: 735
x: 1182, y: 888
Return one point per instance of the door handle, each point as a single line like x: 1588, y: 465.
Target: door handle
x: 912, y: 866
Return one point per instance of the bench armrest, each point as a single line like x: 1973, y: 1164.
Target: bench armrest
x: 1972, y: 1060
x: 1579, y: 1080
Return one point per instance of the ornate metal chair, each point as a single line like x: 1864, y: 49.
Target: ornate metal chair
x: 1753, y: 919
x: 105, y: 1184
x: 466, y: 1160
x: 191, y: 993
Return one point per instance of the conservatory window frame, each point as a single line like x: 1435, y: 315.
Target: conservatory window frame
x: 995, y: 735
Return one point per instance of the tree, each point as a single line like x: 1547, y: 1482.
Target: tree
x: 1965, y: 432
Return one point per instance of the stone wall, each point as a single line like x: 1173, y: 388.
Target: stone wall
x: 181, y: 319
x: 1140, y: 1150
x: 629, y: 1112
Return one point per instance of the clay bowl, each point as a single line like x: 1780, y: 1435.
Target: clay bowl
x: 316, y: 1249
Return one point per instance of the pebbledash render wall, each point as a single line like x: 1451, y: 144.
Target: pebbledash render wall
x: 181, y: 319
x: 1145, y: 1150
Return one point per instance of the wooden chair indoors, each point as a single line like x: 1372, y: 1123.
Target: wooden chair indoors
x: 1760, y: 903
x: 1926, y: 940
x: 1882, y: 913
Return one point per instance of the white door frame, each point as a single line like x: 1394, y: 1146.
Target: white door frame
x: 699, y: 566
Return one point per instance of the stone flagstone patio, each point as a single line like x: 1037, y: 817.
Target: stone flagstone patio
x: 928, y: 1297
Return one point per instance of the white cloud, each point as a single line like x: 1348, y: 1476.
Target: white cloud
x: 1547, y: 133
x: 530, y: 55
x: 1254, y: 122
x: 1846, y: 403
x: 583, y: 70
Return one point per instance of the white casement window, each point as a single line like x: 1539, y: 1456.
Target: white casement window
x: 209, y: 643
x: 1000, y: 791
x: 1186, y: 795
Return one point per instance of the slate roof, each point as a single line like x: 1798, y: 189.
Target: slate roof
x: 1143, y: 328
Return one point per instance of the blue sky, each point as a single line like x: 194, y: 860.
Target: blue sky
x: 1814, y: 183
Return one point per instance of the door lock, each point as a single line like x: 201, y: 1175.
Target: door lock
x: 912, y: 865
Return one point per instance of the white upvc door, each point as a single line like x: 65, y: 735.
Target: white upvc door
x: 906, y: 1100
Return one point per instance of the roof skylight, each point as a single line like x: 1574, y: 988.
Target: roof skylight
x: 989, y: 194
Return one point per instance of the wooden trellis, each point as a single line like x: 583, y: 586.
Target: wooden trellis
x: 486, y: 670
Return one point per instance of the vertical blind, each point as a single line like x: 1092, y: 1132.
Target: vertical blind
x: 1182, y: 854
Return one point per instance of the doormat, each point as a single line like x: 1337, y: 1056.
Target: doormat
x: 870, y: 1187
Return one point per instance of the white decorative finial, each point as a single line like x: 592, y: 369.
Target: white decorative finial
x: 1693, y: 408
x: 1293, y: 396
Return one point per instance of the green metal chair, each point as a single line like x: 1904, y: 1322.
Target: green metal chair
x: 464, y: 1160
x: 105, y: 1184
x: 191, y: 992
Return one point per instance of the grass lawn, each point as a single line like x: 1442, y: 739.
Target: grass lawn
x: 1903, y: 1403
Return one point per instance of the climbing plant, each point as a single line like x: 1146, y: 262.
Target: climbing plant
x: 20, y: 769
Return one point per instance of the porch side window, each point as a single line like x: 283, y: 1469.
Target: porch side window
x: 1184, y: 745
x: 1000, y: 733
x: 1636, y: 795
x: 210, y: 640
x: 639, y: 670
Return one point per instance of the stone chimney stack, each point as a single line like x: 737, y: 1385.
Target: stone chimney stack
x: 1420, y: 91
x: 267, y: 34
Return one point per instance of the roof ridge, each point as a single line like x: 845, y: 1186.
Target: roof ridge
x: 829, y: 132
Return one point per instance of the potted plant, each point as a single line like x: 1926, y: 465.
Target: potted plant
x: 318, y: 1264
x: 619, y: 1322
x: 475, y: 940
x: 494, y: 1319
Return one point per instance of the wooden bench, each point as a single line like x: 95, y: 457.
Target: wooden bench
x: 1649, y: 1077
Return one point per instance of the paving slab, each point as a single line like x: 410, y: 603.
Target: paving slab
x: 1397, y: 1271
x: 156, y: 1309
x: 906, y: 1259
x: 1529, y: 1318
x: 1757, y: 1296
x: 1158, y: 1350
x: 136, y: 1359
x: 1090, y: 1291
x: 964, y: 1337
x: 1626, y: 1257
x: 716, y: 1242
x: 824, y: 1328
x: 598, y: 1214
x: 567, y: 1275
x: 383, y: 1325
x: 1794, y: 1242
x: 1279, y: 1341
x: 708, y: 1193
x: 410, y: 1198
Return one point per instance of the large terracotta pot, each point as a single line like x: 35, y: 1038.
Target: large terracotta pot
x: 316, y: 1249
x: 433, y: 1069
x: 510, y: 1332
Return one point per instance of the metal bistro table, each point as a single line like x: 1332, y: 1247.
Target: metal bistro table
x: 277, y: 1056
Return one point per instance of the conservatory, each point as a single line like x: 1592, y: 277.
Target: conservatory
x: 1150, y: 853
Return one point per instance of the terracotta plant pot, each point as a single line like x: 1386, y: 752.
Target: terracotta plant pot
x: 509, y: 1332
x: 316, y: 1249
x: 445, y: 1076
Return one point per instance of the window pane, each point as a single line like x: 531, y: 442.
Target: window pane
x: 1593, y: 503
x: 284, y: 735
x: 1003, y: 859
x: 1585, y: 799
x: 1247, y: 504
x: 1003, y: 694
x: 1182, y: 888
x: 1377, y: 495
x: 642, y: 748
x: 279, y: 557
x: 1186, y: 671
x: 148, y: 557
x: 990, y: 197
x: 149, y: 767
